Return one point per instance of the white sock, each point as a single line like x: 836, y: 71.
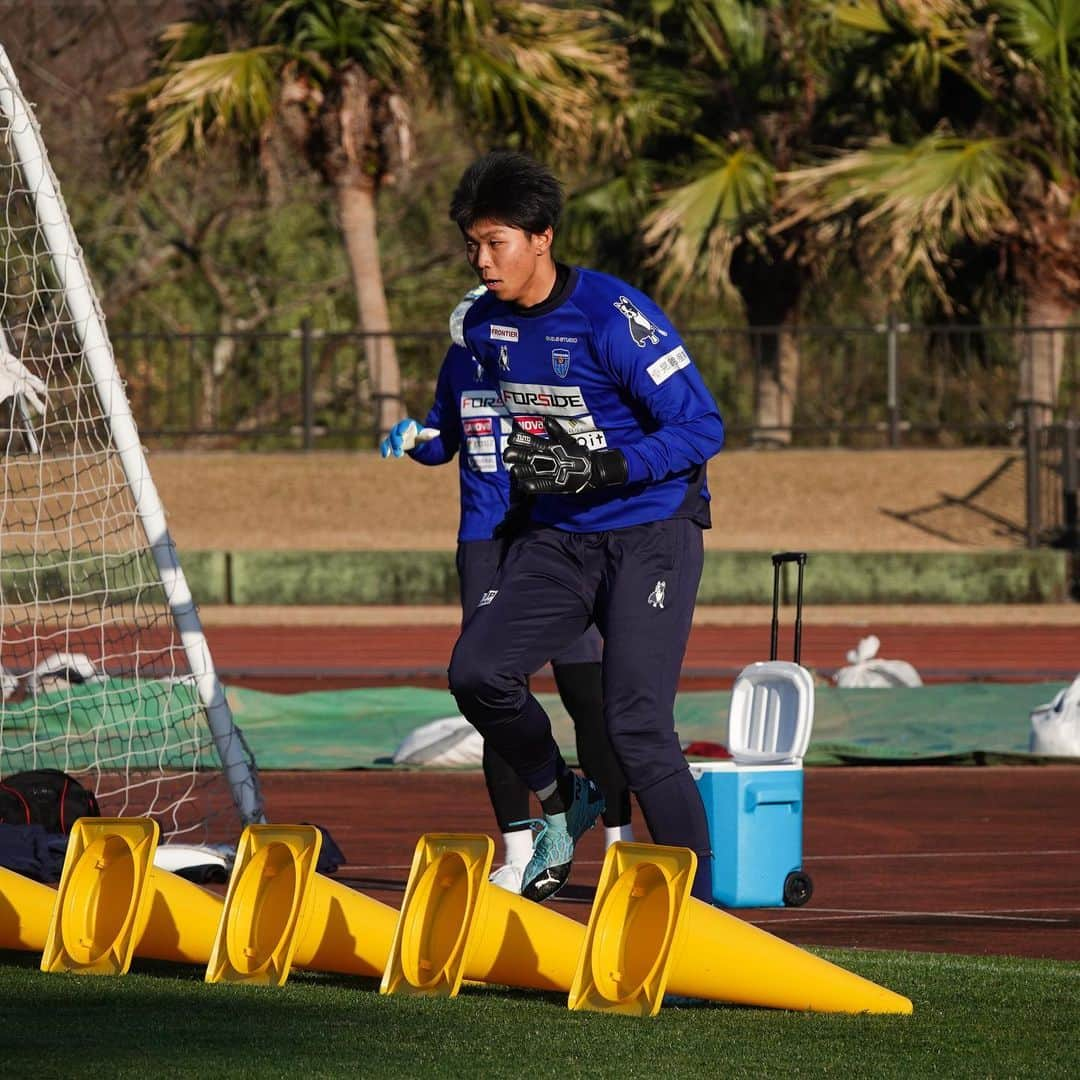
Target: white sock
x: 518, y: 846
x: 614, y: 833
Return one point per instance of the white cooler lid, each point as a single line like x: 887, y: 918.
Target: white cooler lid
x: 771, y: 714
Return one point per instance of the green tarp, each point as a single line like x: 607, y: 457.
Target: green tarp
x: 150, y: 724
x: 962, y: 723
x: 157, y: 724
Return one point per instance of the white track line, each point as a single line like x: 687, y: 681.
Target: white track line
x: 1052, y: 853
x: 944, y: 855
x: 841, y: 915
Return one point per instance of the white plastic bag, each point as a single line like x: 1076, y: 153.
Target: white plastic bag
x: 8, y: 683
x: 442, y: 744
x: 1055, y: 726
x: 865, y: 670
x: 61, y: 670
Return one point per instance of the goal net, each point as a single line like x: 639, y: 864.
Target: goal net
x: 106, y: 672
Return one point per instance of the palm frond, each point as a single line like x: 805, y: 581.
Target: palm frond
x: 696, y: 228
x: 212, y: 95
x: 539, y: 70
x: 1047, y: 30
x: 907, y: 206
x: 380, y: 35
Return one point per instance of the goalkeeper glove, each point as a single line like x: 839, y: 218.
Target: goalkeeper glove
x: 559, y: 464
x: 404, y: 435
x: 16, y: 379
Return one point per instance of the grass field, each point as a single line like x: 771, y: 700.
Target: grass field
x: 974, y: 1017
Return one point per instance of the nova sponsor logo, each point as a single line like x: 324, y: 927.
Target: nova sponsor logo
x: 662, y: 369
x: 503, y: 333
x: 547, y: 400
x: 477, y: 427
x: 534, y: 425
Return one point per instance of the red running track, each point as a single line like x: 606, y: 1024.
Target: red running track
x: 294, y: 658
x: 964, y: 860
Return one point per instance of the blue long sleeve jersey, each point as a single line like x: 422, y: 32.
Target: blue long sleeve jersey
x: 603, y: 358
x: 473, y: 423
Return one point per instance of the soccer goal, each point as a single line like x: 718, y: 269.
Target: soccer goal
x: 106, y: 671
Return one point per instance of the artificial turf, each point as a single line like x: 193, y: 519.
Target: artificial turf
x: 974, y: 1017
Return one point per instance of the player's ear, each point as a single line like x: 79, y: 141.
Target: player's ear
x: 542, y: 241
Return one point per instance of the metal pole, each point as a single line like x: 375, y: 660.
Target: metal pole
x: 1031, y: 473
x: 1070, y: 483
x: 308, y: 383
x: 892, y: 364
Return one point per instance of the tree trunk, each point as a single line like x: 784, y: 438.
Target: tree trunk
x: 1042, y: 351
x: 356, y: 205
x: 776, y: 383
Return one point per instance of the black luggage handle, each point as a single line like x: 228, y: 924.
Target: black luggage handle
x: 778, y: 559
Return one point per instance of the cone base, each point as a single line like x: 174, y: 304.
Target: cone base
x: 456, y: 927
x: 102, y: 887
x: 279, y: 914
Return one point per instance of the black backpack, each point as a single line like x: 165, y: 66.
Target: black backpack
x: 46, y: 797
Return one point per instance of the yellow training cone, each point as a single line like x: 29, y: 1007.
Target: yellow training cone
x: 455, y: 925
x: 279, y: 912
x: 647, y: 936
x: 112, y: 904
x: 26, y: 908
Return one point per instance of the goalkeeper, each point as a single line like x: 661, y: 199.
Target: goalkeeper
x: 468, y: 419
x: 615, y: 536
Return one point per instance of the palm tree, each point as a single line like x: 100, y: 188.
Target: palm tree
x: 755, y: 83
x: 337, y: 78
x: 994, y: 166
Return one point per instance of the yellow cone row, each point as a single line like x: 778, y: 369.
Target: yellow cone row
x: 646, y: 935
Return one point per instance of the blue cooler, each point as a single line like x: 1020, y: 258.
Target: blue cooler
x: 754, y: 803
x: 755, y: 817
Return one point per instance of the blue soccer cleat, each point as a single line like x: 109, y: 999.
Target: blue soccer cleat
x: 553, y: 853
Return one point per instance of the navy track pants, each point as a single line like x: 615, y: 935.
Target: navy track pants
x: 639, y: 586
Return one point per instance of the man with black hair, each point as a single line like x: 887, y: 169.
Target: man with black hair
x: 468, y: 419
x: 613, y: 427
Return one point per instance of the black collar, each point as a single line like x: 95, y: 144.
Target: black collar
x: 565, y: 282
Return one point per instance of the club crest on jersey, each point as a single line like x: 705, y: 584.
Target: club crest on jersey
x: 641, y: 328
x: 504, y: 358
x: 560, y: 361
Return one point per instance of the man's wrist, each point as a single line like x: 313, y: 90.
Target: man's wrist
x: 609, y: 468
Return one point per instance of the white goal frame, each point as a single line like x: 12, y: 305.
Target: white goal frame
x: 28, y: 151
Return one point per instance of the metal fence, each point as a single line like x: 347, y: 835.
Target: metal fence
x: 872, y: 386
x: 890, y: 385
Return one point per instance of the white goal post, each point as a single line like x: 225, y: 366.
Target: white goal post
x: 106, y: 670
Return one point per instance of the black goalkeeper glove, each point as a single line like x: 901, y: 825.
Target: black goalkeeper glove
x: 559, y: 464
